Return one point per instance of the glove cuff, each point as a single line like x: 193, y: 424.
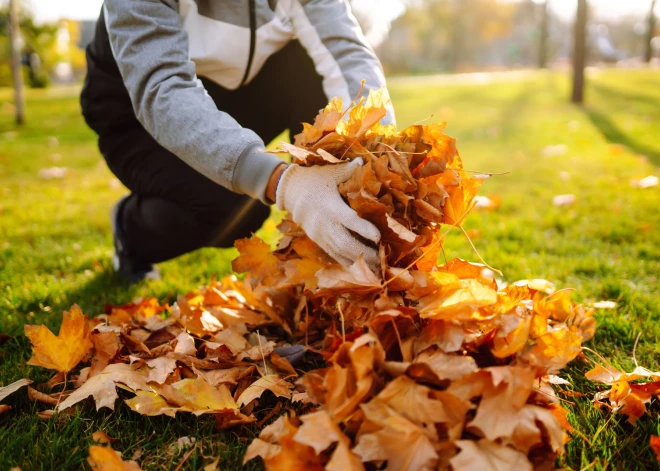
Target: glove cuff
x: 252, y: 172
x: 285, y: 178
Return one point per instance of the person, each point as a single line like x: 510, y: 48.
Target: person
x: 183, y: 94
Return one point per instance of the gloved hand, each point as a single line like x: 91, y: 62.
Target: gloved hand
x: 310, y: 194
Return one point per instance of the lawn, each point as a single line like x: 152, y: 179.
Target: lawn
x: 55, y: 248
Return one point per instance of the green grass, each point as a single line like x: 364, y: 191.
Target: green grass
x: 55, y: 247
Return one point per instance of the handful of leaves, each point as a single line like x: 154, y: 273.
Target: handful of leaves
x: 428, y: 367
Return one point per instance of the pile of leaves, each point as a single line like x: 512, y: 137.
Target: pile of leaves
x: 426, y: 366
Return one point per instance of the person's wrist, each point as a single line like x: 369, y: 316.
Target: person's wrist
x: 271, y: 188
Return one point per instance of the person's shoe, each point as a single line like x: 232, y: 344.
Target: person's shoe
x: 129, y: 267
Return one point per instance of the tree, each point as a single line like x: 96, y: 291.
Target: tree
x: 649, y: 33
x: 579, y: 52
x: 17, y: 73
x: 543, y: 36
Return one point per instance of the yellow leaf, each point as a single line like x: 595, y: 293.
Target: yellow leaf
x: 103, y: 458
x: 64, y: 351
x: 273, y: 383
x: 150, y: 403
x: 199, y: 397
x: 255, y: 257
x: 462, y: 303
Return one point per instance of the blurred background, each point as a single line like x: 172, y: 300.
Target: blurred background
x: 410, y: 36
x: 559, y: 99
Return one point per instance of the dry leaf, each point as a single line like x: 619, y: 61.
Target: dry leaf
x: 13, y: 387
x: 102, y: 386
x: 273, y: 383
x: 103, y: 458
x: 485, y: 455
x: 64, y: 351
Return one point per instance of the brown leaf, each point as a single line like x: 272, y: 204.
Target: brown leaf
x: 102, y: 386
x: 358, y: 278
x: 35, y: 395
x: 485, y: 455
x: 273, y: 383
x: 396, y: 440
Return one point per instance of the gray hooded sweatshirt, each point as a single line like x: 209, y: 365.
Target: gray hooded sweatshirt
x: 161, y: 45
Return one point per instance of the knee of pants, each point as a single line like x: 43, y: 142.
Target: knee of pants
x: 245, y: 219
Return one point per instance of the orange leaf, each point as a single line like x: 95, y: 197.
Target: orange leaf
x: 64, y: 351
x: 655, y: 446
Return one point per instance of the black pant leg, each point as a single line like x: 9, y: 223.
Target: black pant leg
x: 172, y: 208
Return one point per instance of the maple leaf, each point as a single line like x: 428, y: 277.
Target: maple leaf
x: 365, y: 114
x: 486, y: 455
x: 502, y: 400
x: 102, y: 386
x: 351, y: 377
x: 288, y: 454
x: 161, y: 368
x: 106, y: 346
x: 198, y: 396
x: 104, y: 458
x: 150, y: 403
x: 64, y: 351
x: 319, y: 432
x: 555, y: 349
x: 259, y: 447
x: 273, y: 383
x: 404, y: 445
x: 512, y: 339
x: 527, y: 432
x: 462, y: 303
x: 431, y: 407
x: 256, y: 258
x: 13, y: 387
x: 358, y: 278
x: 438, y: 365
x: 446, y: 335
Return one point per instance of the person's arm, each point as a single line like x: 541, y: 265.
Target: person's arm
x: 151, y: 49
x: 332, y: 37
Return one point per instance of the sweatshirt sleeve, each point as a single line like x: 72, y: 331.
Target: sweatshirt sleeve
x: 151, y: 50
x: 332, y: 37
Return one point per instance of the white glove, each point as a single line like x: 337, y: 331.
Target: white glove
x: 310, y: 194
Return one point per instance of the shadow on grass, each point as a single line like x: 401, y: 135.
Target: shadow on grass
x: 615, y: 135
x: 610, y: 130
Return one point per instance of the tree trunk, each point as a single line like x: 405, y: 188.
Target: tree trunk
x: 15, y: 40
x: 457, y: 36
x: 579, y: 52
x: 543, y: 36
x: 649, y: 33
